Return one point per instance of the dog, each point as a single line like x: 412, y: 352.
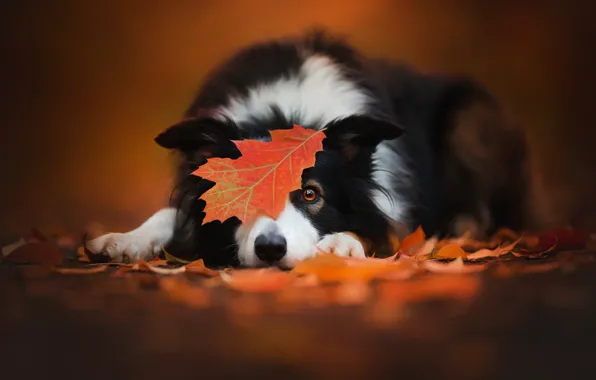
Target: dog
x: 403, y: 149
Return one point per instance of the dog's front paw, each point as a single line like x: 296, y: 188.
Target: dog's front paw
x: 124, y: 248
x: 342, y: 244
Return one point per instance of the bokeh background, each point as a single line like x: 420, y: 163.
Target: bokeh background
x: 86, y: 85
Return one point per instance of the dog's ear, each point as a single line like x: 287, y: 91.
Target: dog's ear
x: 206, y: 136
x: 359, y: 133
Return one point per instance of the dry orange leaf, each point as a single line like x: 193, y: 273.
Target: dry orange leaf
x: 412, y: 241
x: 153, y: 266
x: 404, y: 268
x: 91, y: 269
x: 332, y: 268
x: 257, y: 280
x: 456, y: 266
x: 451, y: 251
x: 499, y: 251
x: 261, y: 178
x: 426, y: 249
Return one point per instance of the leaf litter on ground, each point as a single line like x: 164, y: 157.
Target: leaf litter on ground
x: 257, y: 183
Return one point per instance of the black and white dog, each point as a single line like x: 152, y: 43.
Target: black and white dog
x: 403, y: 149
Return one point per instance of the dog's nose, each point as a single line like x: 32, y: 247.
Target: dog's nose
x: 270, y: 248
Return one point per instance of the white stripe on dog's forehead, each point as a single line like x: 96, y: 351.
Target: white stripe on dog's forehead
x: 315, y: 96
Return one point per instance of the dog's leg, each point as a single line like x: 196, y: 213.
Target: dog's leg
x: 142, y: 243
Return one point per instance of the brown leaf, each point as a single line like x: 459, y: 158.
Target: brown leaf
x: 91, y: 269
x: 44, y: 252
x: 533, y: 254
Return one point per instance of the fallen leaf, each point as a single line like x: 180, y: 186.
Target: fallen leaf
x: 328, y: 268
x: 499, y: 251
x: 563, y: 238
x: 451, y: 251
x: 43, y: 252
x: 199, y: 267
x: 456, y: 266
x: 403, y: 269
x: 257, y: 280
x: 86, y: 270
x: 533, y: 254
x: 153, y: 266
x: 412, y: 241
x: 261, y: 178
x: 426, y: 249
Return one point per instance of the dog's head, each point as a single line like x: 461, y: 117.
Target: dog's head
x: 337, y: 195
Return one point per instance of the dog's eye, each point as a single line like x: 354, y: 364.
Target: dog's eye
x: 310, y: 195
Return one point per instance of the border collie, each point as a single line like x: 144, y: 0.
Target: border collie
x: 403, y: 149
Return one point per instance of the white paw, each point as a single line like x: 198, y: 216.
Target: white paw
x: 341, y: 244
x: 128, y: 248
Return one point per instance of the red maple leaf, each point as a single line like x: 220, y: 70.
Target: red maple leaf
x: 261, y: 179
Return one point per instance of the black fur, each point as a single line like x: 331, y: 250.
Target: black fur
x: 448, y: 178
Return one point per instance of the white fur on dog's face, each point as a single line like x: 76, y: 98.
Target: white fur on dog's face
x: 301, y: 237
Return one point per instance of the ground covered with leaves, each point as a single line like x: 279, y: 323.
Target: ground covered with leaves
x: 513, y: 307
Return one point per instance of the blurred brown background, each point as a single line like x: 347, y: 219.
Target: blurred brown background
x: 86, y: 85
